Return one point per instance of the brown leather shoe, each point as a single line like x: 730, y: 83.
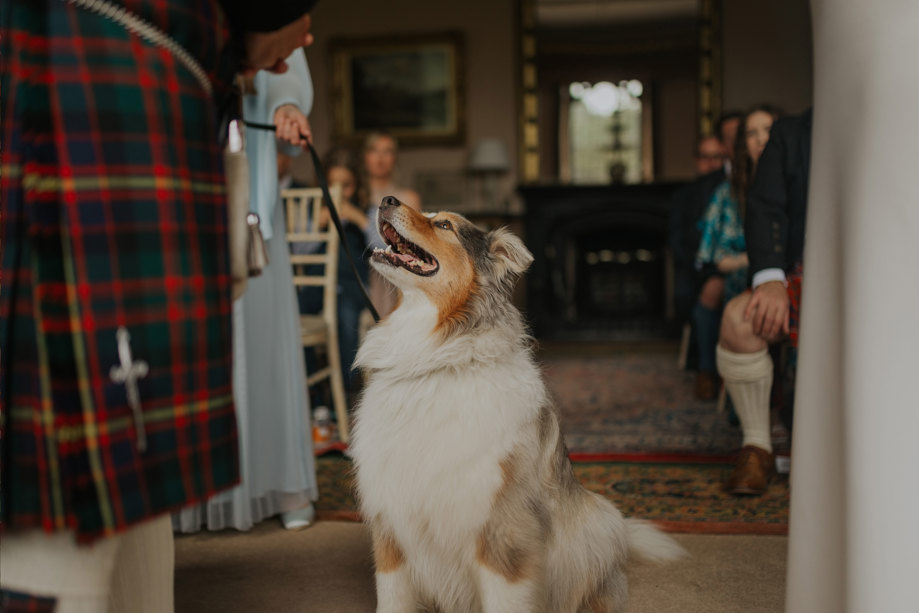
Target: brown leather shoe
x: 754, y: 469
x: 707, y: 385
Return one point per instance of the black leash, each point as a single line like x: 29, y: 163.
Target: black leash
x: 327, y: 197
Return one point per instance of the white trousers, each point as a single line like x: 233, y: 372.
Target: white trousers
x: 128, y: 573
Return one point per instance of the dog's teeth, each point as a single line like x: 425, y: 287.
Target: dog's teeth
x: 388, y: 248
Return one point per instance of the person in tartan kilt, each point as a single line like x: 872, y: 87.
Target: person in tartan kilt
x: 774, y: 230
x: 116, y: 404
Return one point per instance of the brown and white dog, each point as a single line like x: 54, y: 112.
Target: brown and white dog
x: 462, y: 473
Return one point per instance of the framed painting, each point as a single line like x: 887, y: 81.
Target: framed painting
x: 409, y: 86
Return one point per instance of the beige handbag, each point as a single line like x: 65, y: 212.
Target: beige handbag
x: 248, y: 254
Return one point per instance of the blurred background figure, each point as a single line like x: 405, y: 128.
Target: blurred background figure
x: 722, y: 256
x: 710, y: 155
x: 379, y: 158
x: 726, y: 131
x: 686, y: 208
x: 343, y: 169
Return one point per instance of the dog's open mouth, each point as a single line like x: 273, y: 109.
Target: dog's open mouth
x: 401, y: 252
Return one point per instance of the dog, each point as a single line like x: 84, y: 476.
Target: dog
x: 461, y: 470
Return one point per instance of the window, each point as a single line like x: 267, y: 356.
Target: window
x: 603, y: 133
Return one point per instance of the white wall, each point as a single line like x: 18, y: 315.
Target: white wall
x: 676, y: 120
x: 768, y: 55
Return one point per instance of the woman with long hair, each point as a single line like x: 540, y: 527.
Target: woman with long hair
x: 723, y: 250
x: 343, y: 169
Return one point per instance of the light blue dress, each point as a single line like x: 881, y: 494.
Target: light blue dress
x: 276, y: 455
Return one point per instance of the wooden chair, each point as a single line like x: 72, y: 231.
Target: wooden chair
x: 318, y: 268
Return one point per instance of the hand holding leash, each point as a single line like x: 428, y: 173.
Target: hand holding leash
x: 292, y: 126
x: 320, y: 176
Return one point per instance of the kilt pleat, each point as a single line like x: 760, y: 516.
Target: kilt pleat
x: 113, y: 215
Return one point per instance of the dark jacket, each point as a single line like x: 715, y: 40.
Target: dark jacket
x: 777, y: 200
x: 251, y: 16
x: 687, y: 207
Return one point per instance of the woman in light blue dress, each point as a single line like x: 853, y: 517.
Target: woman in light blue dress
x: 276, y: 455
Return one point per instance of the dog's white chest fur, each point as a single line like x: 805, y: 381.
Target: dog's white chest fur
x: 433, y: 426
x: 430, y: 452
x: 424, y: 471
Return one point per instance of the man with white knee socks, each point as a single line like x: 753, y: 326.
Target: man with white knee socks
x: 774, y: 228
x: 116, y: 403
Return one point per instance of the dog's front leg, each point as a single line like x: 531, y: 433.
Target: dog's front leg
x: 394, y: 587
x: 395, y: 593
x: 501, y: 594
x: 510, y: 566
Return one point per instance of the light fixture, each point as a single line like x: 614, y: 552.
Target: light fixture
x: 489, y: 160
x: 489, y: 154
x: 605, y: 98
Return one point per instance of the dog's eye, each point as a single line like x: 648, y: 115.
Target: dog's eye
x: 444, y: 225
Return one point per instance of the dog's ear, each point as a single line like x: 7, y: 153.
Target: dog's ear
x: 511, y: 258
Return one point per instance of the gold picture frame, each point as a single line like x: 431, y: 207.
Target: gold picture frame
x: 411, y: 86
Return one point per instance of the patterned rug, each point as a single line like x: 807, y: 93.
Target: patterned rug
x: 628, y: 401
x: 637, y: 436
x: 678, y: 497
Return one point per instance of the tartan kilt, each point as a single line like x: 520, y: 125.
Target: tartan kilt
x: 113, y: 214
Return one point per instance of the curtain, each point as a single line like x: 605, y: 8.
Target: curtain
x: 854, y: 534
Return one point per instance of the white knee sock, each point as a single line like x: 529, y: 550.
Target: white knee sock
x: 142, y: 581
x: 748, y: 379
x: 132, y: 571
x: 78, y: 576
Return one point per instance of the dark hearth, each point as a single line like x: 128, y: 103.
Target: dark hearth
x: 601, y: 261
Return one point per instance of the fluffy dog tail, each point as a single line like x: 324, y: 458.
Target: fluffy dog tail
x: 649, y: 543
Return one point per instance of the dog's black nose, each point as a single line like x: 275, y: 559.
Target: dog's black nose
x: 391, y: 201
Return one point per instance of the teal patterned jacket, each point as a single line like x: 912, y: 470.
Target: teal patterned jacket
x: 722, y: 236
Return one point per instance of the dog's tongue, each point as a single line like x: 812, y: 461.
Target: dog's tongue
x: 405, y: 257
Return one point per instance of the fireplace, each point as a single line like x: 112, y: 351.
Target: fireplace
x: 602, y: 263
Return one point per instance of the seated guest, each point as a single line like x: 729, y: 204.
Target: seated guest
x: 380, y: 157
x: 687, y: 206
x: 722, y: 259
x: 689, y: 203
x: 342, y: 168
x: 710, y: 155
x: 726, y: 129
x: 774, y: 229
